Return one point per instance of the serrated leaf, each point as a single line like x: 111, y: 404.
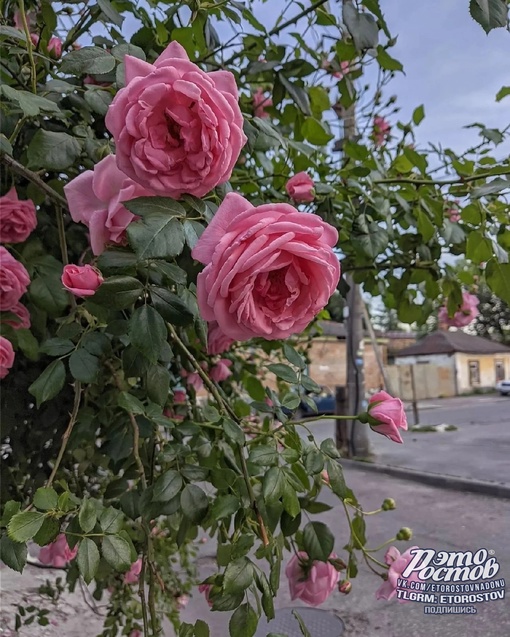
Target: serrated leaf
x: 233, y: 431
x: 84, y: 366
x: 156, y: 235
x: 224, y: 506
x: 49, y: 383
x: 88, y: 559
x: 118, y: 292
x: 111, y: 520
x: 87, y: 516
x: 117, y: 552
x: 296, y: 93
x: 48, y: 532
x: 13, y: 554
x: 110, y: 12
x: 167, y: 486
x: 386, y: 61
x: 243, y: 622
x: 88, y: 60
x: 52, y: 151
x: 238, y: 576
x: 23, y: 526
x: 194, y: 503
x: 147, y: 331
x: 57, y: 346
x: 318, y: 541
x: 170, y: 306
x: 273, y: 485
x: 45, y: 498
x: 490, y: 14
x: 284, y: 372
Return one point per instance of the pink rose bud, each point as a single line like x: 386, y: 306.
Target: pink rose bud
x: 81, y: 280
x: 381, y: 130
x: 345, y: 587
x: 6, y: 356
x: 269, y: 269
x: 193, y: 379
x: 14, y: 280
x: 206, y: 590
x: 17, y: 218
x: 312, y: 586
x: 22, y: 320
x: 397, y: 564
x: 217, y: 341
x: 386, y: 416
x: 133, y: 575
x: 55, y: 48
x: 95, y: 199
x: 221, y: 370
x: 182, y: 601
x: 325, y: 477
x: 467, y: 311
x: 179, y: 397
x: 34, y: 38
x: 177, y: 129
x: 260, y: 102
x: 58, y: 553
x: 135, y: 633
x: 301, y: 188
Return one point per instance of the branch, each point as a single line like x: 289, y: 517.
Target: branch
x: 14, y: 165
x: 445, y: 182
x: 297, y: 17
x: 33, y: 69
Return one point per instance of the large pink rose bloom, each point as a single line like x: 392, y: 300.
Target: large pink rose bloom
x: 269, y: 270
x: 317, y: 587
x: 177, y: 129
x: 58, y: 553
x: 6, y: 356
x: 466, y: 313
x: 22, y: 320
x: 397, y: 564
x: 14, y: 280
x: 217, y: 341
x: 95, y: 198
x: 17, y: 218
x: 390, y: 414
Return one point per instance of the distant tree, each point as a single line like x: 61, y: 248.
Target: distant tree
x: 494, y: 319
x: 385, y: 319
x: 335, y: 307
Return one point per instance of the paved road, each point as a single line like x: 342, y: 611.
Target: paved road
x: 479, y: 449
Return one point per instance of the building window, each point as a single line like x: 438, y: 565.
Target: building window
x: 474, y: 372
x: 500, y: 370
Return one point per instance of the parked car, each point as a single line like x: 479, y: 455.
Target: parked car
x: 503, y: 387
x: 325, y: 403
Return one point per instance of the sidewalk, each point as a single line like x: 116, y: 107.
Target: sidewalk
x: 440, y: 519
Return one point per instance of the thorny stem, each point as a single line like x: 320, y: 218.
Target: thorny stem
x: 63, y: 246
x: 136, y: 449
x: 440, y: 183
x: 143, y: 601
x: 225, y: 408
x: 33, y: 70
x: 362, y: 548
x: 67, y: 432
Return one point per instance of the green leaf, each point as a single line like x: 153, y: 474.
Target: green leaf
x: 123, y: 49
x: 30, y: 104
x: 497, y: 276
x: 130, y: 403
x: 336, y: 479
x: 88, y: 60
x: 163, y: 206
x: 362, y: 27
x: 225, y: 506
x: 418, y: 114
x: 297, y: 93
x: 273, y: 485
x: 201, y: 629
x: 147, y: 331
x: 243, y: 622
x: 84, y: 366
x: 87, y: 516
x: 238, y: 576
x: 158, y: 384
x: 503, y: 92
x: 47, y: 292
x: 478, y: 247
x: 49, y: 383
x: 88, y: 559
x: 57, y: 346
x: 118, y: 292
x: 48, y: 532
x: 156, y: 235
x: 264, y: 456
x: 170, y: 306
x: 318, y: 541
x: 46, y: 498
x: 314, y: 131
x: 98, y: 99
x: 233, y: 431
x: 23, y: 526
x: 117, y: 552
x: 386, y: 62
x: 194, y: 503
x: 52, y: 151
x: 11, y: 32
x: 490, y: 14
x: 5, y: 145
x: 111, y: 520
x: 491, y: 188
x: 171, y: 271
x: 109, y: 12
x: 13, y: 554
x: 425, y: 226
x: 167, y: 486
x: 192, y: 232
x: 302, y: 626
x: 284, y: 372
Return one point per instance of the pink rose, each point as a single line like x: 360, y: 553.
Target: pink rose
x: 81, y: 280
x: 397, y: 564
x: 57, y: 554
x: 217, y: 341
x: 452, y: 211
x: 6, y: 356
x: 179, y: 397
x: 381, y: 131
x: 177, y: 129
x: 315, y: 587
x: 135, y: 633
x: 31, y: 18
x: 301, y: 188
x: 182, y: 601
x: 206, y: 590
x: 14, y: 280
x: 95, y: 199
x: 23, y: 317
x: 269, y: 270
x: 55, y: 48
x: 344, y: 68
x: 467, y: 311
x: 170, y: 413
x: 17, y: 218
x: 389, y: 414
x: 132, y: 576
x: 260, y: 102
x: 221, y: 370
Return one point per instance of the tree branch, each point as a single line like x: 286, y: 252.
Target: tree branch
x: 440, y: 183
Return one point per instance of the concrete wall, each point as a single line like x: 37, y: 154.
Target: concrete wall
x: 487, y: 370
x: 328, y: 363
x: 445, y: 360
x: 430, y: 381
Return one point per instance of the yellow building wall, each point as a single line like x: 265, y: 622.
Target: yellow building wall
x: 487, y: 367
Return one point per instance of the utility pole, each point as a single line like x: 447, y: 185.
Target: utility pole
x: 357, y: 432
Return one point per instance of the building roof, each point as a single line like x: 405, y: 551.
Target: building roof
x: 332, y: 328
x: 447, y: 342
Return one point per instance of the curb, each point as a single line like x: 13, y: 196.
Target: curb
x: 433, y: 479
